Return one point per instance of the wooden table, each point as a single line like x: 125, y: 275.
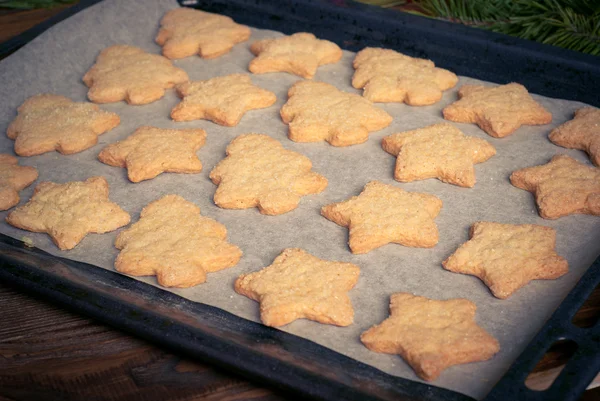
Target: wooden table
x: 47, y: 353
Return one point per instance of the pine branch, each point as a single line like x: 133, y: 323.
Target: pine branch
x: 572, y: 24
x: 31, y: 4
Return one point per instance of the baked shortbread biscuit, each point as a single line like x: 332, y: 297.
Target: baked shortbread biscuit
x: 300, y: 54
x: 582, y: 132
x: 431, y: 335
x: 13, y: 178
x: 384, y: 214
x: 438, y: 151
x: 561, y: 187
x: 389, y: 76
x: 316, y: 111
x: 50, y: 122
x: 150, y: 151
x: 508, y: 256
x: 174, y: 242
x: 128, y: 73
x: 222, y: 100
x: 498, y: 110
x: 299, y: 285
x: 68, y: 212
x: 259, y: 172
x: 185, y: 32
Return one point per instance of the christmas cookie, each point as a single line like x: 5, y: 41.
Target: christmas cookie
x: 389, y: 76
x: 316, y: 111
x: 259, y: 172
x: 174, y: 242
x: 301, y: 286
x: 150, y: 151
x: 222, y: 100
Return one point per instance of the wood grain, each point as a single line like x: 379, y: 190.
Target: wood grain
x: 49, y: 354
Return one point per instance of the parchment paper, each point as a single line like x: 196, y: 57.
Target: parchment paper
x: 56, y: 61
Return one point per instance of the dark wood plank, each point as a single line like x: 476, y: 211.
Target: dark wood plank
x: 47, y: 353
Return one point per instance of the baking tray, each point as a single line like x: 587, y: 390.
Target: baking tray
x: 282, y: 359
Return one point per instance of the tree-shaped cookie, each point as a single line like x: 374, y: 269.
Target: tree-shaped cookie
x: 185, y: 32
x: 174, y: 242
x: 431, y: 335
x: 389, y: 76
x: 438, y: 151
x: 301, y: 54
x: 68, y: 212
x: 561, y: 187
x: 13, y: 178
x: 258, y: 171
x: 150, y: 151
x: 508, y: 256
x: 128, y: 73
x: 299, y: 285
x: 499, y: 110
x: 384, y: 214
x: 222, y: 100
x: 316, y: 111
x: 50, y: 122
x: 582, y: 132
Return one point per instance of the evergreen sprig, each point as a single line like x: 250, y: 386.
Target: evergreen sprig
x: 572, y: 24
x: 31, y: 4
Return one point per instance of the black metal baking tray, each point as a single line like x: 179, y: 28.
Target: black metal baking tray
x: 282, y: 359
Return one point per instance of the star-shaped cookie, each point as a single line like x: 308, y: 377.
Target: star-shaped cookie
x: 316, y: 111
x: 128, y: 73
x: 431, y: 335
x: 389, y: 76
x: 222, y: 100
x: 50, y: 122
x: 301, y: 54
x: 384, y: 214
x: 258, y: 171
x: 68, y: 212
x: 508, y: 256
x: 299, y: 285
x: 582, y: 132
x: 185, y: 32
x: 174, y: 242
x: 438, y: 151
x: 150, y: 151
x: 13, y: 178
x: 561, y: 187
x: 499, y: 111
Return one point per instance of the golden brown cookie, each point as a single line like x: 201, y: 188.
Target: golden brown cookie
x: 384, y: 214
x: 128, y: 73
x: 68, y: 212
x: 316, y: 111
x: 50, y: 122
x: 301, y: 54
x: 582, y: 132
x: 499, y: 110
x: 174, y: 242
x: 259, y: 172
x: 222, y: 100
x: 561, y: 187
x: 389, y: 76
x: 185, y: 32
x: 150, y: 151
x: 301, y: 286
x: 508, y: 256
x: 13, y: 178
x: 438, y: 151
x: 431, y: 335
